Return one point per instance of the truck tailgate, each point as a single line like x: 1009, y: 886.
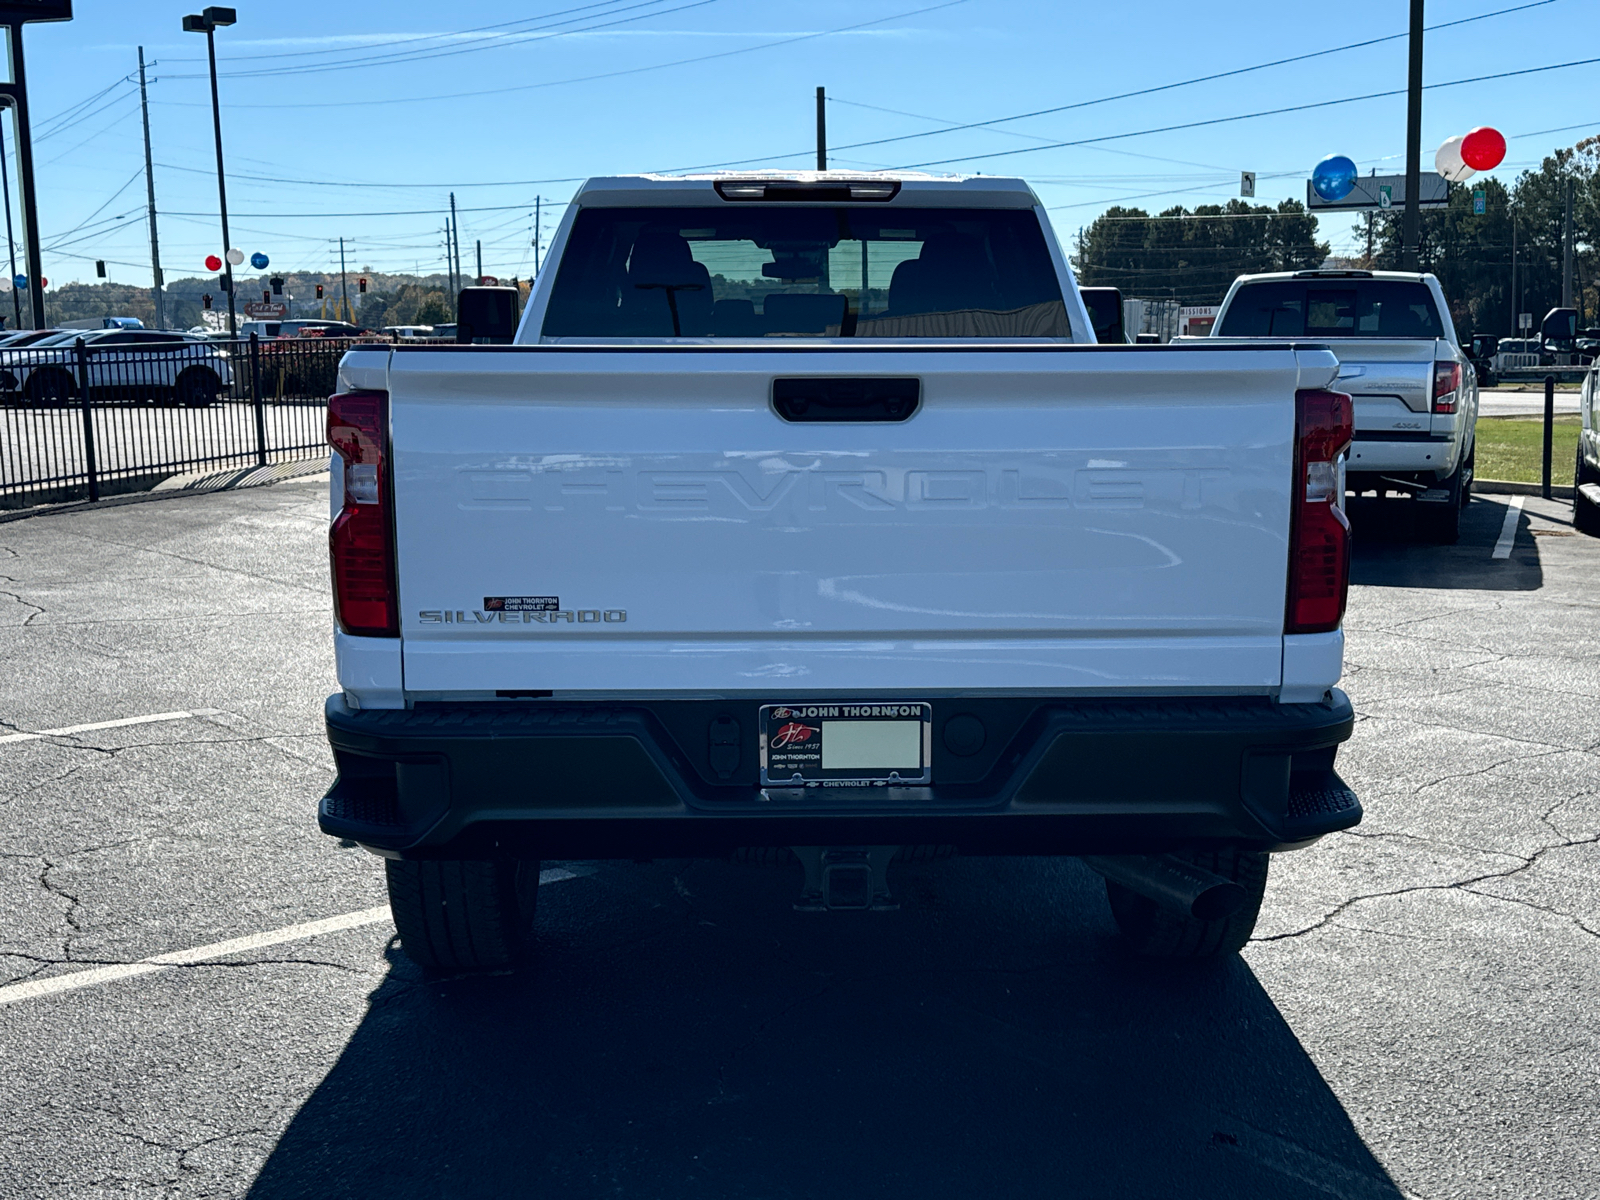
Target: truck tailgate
x: 1088, y: 519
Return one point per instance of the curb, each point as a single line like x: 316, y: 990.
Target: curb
x: 177, y: 486
x: 1510, y: 487
x: 222, y: 481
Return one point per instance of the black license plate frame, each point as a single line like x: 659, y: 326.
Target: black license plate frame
x: 795, y: 743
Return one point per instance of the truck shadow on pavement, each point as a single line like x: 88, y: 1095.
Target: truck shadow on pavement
x: 1388, y: 548
x: 686, y: 1034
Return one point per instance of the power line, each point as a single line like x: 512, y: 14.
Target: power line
x: 385, y: 60
x: 1271, y: 112
x: 679, y: 62
x: 427, y: 37
x: 339, y: 183
x: 1164, y: 87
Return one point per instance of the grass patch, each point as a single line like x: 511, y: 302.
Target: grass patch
x: 1512, y: 448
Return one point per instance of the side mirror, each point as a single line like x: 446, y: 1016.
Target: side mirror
x: 1105, y: 313
x: 1559, y: 325
x: 487, y: 315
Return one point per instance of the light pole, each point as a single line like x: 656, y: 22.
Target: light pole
x: 207, y: 23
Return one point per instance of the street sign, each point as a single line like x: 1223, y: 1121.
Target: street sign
x: 1247, y: 183
x: 1479, y: 202
x: 1370, y: 190
x: 266, y: 310
x: 35, y: 10
x: 1524, y: 321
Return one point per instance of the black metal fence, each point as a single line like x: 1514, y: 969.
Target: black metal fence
x: 84, y: 418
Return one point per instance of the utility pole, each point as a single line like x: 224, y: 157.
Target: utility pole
x: 1411, y: 229
x: 17, y: 95
x: 536, y: 233
x: 1514, y: 307
x: 207, y: 23
x: 1566, y: 246
x: 822, y: 127
x: 344, y: 286
x: 11, y: 241
x: 479, y: 277
x: 455, y: 226
x: 150, y: 193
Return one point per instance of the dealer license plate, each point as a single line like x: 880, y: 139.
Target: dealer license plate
x: 846, y: 744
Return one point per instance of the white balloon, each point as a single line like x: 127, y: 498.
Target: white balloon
x: 237, y: 256
x: 5, y: 284
x: 1448, y: 160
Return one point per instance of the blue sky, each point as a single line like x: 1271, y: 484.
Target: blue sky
x: 338, y: 111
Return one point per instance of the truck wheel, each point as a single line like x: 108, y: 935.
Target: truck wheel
x: 197, y: 387
x: 1585, y: 512
x: 50, y: 388
x: 1441, y: 522
x: 1156, y: 931
x: 464, y: 914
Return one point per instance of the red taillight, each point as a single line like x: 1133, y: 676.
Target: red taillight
x: 361, y: 540
x: 1446, y: 386
x: 1319, y: 534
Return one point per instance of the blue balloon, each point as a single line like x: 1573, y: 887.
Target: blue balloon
x: 1333, y: 177
x: 258, y: 260
x: 21, y: 281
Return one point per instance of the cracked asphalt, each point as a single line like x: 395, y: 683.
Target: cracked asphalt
x: 1414, y: 1019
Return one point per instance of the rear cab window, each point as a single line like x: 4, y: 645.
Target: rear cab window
x: 836, y: 272
x: 1332, y: 308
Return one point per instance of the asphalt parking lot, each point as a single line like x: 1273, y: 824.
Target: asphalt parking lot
x: 1414, y: 1019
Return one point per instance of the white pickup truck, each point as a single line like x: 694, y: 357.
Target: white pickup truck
x: 1415, y: 388
x: 804, y: 513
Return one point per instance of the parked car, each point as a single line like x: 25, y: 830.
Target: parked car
x: 1586, y: 475
x: 1481, y: 351
x: 446, y: 330
x: 677, y: 573
x: 1415, y: 389
x: 317, y: 328
x: 409, y: 331
x: 1518, y: 354
x: 135, y: 366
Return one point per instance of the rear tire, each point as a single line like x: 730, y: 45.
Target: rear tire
x: 1585, y: 513
x: 50, y: 388
x: 1441, y: 522
x: 464, y: 915
x: 1153, y: 930
x: 197, y: 387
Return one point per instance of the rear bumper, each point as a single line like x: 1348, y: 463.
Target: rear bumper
x: 599, y: 779
x: 1374, y: 454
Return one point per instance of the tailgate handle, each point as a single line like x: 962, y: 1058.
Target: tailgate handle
x: 843, y: 399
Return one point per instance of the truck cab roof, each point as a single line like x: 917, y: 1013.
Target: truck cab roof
x: 894, y: 188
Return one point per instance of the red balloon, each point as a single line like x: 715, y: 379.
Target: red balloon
x: 213, y: 263
x: 1483, y: 149
x: 43, y: 282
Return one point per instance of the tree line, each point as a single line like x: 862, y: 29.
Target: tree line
x: 1192, y: 255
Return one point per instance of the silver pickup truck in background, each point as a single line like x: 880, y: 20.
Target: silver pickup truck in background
x: 1415, y: 389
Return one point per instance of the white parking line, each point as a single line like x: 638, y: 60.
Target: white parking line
x: 1508, y: 531
x: 167, y: 716
x: 34, y: 988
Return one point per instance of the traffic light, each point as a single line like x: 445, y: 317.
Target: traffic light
x: 266, y: 297
x: 205, y: 301
x: 277, y: 285
x: 100, y: 267
x: 319, y: 291
x: 361, y: 284
x: 222, y: 283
